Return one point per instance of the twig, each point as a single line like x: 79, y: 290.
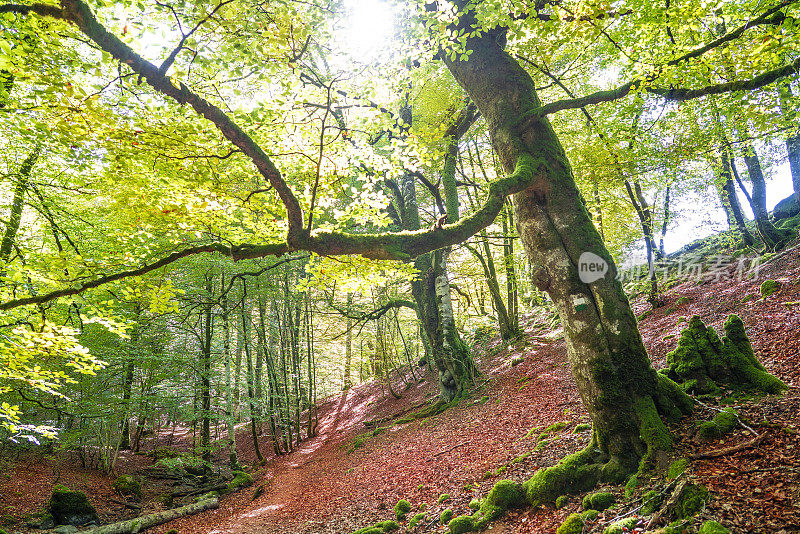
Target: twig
x: 728, y: 450
x: 448, y: 450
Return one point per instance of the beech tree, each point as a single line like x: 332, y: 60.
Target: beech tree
x: 626, y: 399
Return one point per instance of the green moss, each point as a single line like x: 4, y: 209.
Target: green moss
x: 387, y: 526
x: 769, y: 287
x: 520, y: 458
x: 582, y: 427
x: 172, y: 531
x: 70, y: 507
x: 589, y: 515
x: 712, y: 527
x: 631, y: 485
x: 368, y: 530
x: 401, y: 509
x: 692, y: 500
x: 504, y: 495
x: 747, y: 298
x: 474, y: 504
x: 573, y: 524
x: 461, y: 524
x: 683, y: 300
x: 651, y: 502
x: 573, y: 474
x: 443, y: 497
x: 417, y: 519
x: 446, y: 516
x: 128, y: 485
x: 722, y: 423
x: 562, y: 501
x: 701, y: 360
x: 622, y: 526
x: 240, y: 480
x: 676, y: 468
x: 598, y: 501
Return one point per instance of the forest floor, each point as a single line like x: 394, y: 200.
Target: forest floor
x: 328, y: 487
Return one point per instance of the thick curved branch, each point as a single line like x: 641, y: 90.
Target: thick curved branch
x: 772, y: 16
x: 79, y: 13
x: 237, y: 252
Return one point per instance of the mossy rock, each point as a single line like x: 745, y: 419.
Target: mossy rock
x: 631, y: 485
x: 504, y: 495
x: 702, y: 360
x: 474, y: 504
x: 573, y: 524
x: 446, y: 516
x: 128, y: 485
x: 240, y: 480
x: 723, y: 423
x: 417, y: 519
x: 692, y: 499
x: 71, y: 507
x: 712, y: 527
x: 401, y: 509
x: 582, y: 427
x: 571, y: 475
x: 683, y: 300
x: 677, y: 468
x: 379, y: 528
x: 562, y: 501
x: 598, y: 501
x: 589, y: 515
x: 769, y: 287
x: 622, y: 527
x: 443, y: 497
x: 461, y: 524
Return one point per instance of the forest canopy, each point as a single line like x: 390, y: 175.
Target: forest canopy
x: 223, y: 185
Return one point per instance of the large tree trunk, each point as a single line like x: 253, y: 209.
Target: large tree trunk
x: 619, y: 387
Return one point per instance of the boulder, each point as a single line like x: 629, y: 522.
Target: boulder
x: 786, y: 208
x: 71, y: 507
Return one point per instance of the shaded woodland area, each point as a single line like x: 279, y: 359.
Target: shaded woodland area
x: 363, y: 267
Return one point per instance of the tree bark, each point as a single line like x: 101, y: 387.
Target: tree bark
x: 619, y: 387
x: 793, y: 140
x: 729, y: 191
x: 772, y: 237
x: 15, y: 217
x: 132, y: 526
x: 230, y: 407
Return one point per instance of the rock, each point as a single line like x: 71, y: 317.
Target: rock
x: 66, y: 529
x: 71, y: 507
x: 129, y: 486
x: 786, y: 208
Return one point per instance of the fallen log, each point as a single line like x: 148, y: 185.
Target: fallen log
x: 132, y: 526
x: 375, y: 422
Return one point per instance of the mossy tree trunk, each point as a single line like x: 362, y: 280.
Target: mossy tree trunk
x: 772, y: 237
x: 619, y: 387
x: 793, y: 141
x: 729, y: 194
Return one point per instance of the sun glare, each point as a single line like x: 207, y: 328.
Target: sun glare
x: 368, y: 28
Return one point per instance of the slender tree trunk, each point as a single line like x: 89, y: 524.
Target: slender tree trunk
x: 205, y: 373
x: 347, y: 381
x: 646, y: 221
x: 127, y: 379
x: 249, y: 362
x: 490, y: 275
x: 729, y: 191
x: 772, y: 237
x: 793, y: 141
x: 665, y: 224
x: 230, y: 407
x: 15, y: 217
x: 622, y: 392
x: 508, y: 262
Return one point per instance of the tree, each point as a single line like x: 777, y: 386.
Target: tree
x: 625, y: 397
